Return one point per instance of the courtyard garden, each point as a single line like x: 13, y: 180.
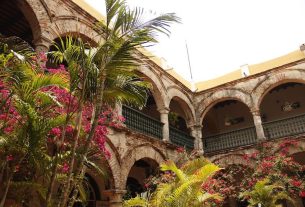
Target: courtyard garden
x: 57, y: 108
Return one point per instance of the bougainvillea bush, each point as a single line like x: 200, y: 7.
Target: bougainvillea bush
x: 274, y: 163
x: 61, y: 114
x: 39, y: 124
x: 270, y: 163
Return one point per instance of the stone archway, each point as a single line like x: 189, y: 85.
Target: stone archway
x: 231, y: 159
x: 185, y: 102
x: 275, y: 80
x: 114, y: 165
x: 219, y: 96
x: 70, y: 25
x: 158, y: 90
x: 18, y: 18
x: 281, y: 105
x: 147, y: 151
x: 228, y: 124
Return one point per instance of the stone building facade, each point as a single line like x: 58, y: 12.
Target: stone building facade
x: 221, y: 118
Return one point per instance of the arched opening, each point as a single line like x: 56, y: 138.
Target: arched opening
x: 283, y: 110
x: 13, y: 21
x: 91, y: 189
x: 147, y: 119
x: 179, y: 132
x: 139, y: 173
x: 228, y: 124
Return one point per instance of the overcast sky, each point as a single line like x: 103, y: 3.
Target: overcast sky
x: 222, y: 35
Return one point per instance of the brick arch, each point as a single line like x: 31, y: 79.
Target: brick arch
x: 38, y: 20
x: 159, y: 91
x: 65, y: 25
x: 114, y: 164
x: 274, y: 80
x: 231, y: 159
x: 300, y: 148
x: 185, y: 103
x: 222, y: 95
x: 136, y: 153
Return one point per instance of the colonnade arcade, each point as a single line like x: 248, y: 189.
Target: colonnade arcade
x: 232, y: 123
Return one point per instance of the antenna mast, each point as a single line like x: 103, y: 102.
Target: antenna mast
x: 190, y: 67
x: 188, y: 59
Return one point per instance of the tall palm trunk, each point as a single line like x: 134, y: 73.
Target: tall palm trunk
x: 6, y: 190
x: 72, y: 162
x: 55, y: 164
x: 94, y: 122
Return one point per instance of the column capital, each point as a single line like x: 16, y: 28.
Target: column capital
x: 194, y: 126
x: 255, y: 112
x: 164, y: 110
x: 115, y: 197
x: 115, y: 192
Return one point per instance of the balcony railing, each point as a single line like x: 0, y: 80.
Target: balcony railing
x: 231, y: 139
x: 142, y: 123
x: 285, y: 127
x: 181, y: 138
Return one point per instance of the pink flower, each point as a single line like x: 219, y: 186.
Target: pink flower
x: 180, y: 149
x: 121, y: 118
x: 9, y: 157
x: 296, y: 183
x: 302, y: 194
x: 55, y: 132
x: 69, y: 129
x: 8, y: 130
x: 65, y: 168
x: 3, y: 116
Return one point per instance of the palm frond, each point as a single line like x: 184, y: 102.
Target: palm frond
x: 171, y: 166
x: 136, y: 202
x: 16, y: 44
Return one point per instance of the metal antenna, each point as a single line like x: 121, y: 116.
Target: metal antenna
x: 190, y: 68
x: 188, y: 59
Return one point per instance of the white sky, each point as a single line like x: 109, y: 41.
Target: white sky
x: 222, y: 35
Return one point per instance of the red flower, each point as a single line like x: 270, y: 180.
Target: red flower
x: 9, y: 157
x: 17, y: 167
x: 55, y: 132
x: 65, y: 168
x: 296, y: 183
x: 302, y: 194
x: 180, y: 149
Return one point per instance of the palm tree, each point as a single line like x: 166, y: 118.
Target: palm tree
x: 184, y: 190
x: 266, y: 194
x: 109, y: 69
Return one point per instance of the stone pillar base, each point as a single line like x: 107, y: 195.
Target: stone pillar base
x: 115, y: 197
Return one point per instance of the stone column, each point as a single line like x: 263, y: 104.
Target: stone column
x: 115, y: 197
x: 258, y: 125
x: 232, y: 202
x: 197, y: 134
x: 41, y: 45
x: 164, y: 119
x: 119, y: 108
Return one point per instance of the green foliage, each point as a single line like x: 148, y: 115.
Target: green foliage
x: 266, y: 194
x: 182, y: 186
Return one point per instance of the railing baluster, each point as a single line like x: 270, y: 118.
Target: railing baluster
x: 181, y: 138
x: 142, y: 123
x: 230, y: 139
x: 285, y: 127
